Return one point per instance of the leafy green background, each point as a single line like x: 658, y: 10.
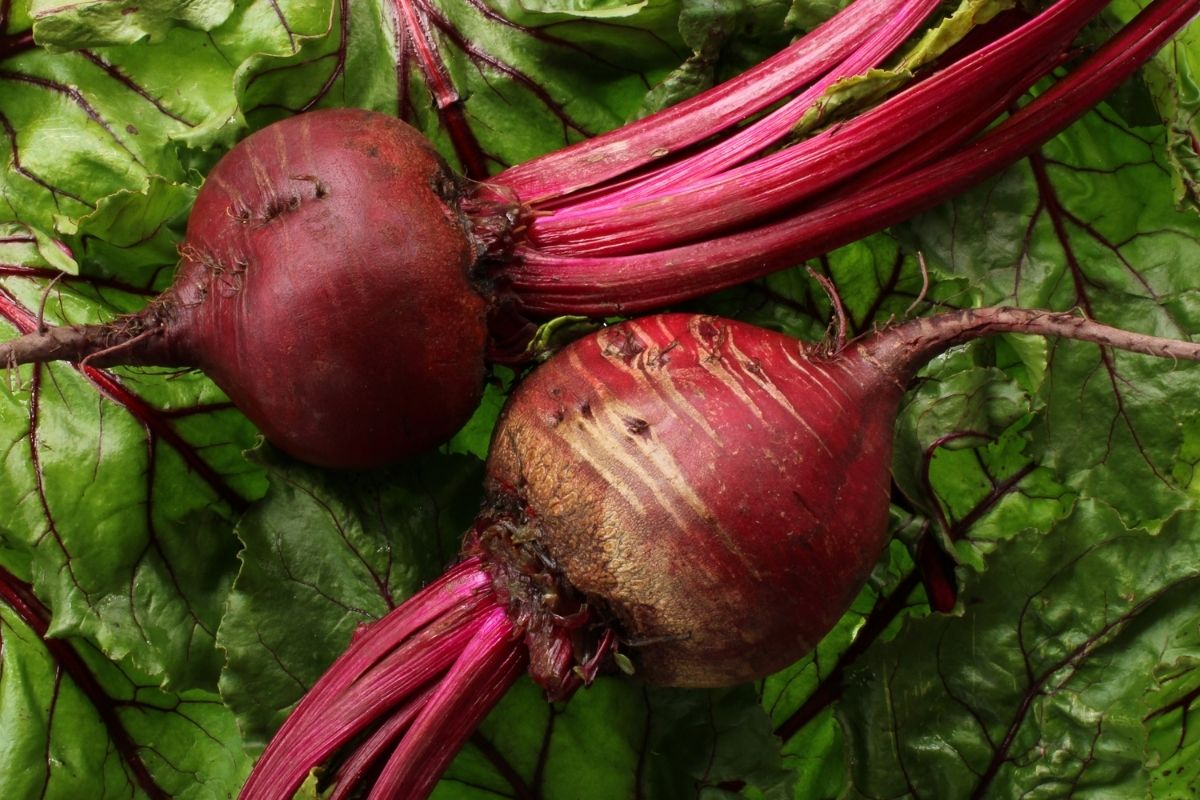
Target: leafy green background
x: 201, y: 589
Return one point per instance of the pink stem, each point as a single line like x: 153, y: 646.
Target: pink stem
x: 619, y: 152
x: 405, y: 670
x: 492, y: 662
x: 463, y: 582
x: 700, y: 208
x: 383, y: 668
x: 548, y: 284
x: 367, y: 754
x: 755, y: 138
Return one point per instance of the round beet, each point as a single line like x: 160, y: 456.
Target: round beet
x: 685, y: 469
x: 323, y: 257
x: 321, y: 261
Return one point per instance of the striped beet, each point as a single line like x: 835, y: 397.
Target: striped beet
x: 698, y: 452
x: 692, y: 497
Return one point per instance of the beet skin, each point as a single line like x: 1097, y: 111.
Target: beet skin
x: 321, y: 261
x: 685, y: 469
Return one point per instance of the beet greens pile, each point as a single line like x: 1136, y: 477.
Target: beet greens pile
x: 150, y: 645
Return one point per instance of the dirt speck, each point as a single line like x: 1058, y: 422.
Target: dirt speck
x: 636, y: 426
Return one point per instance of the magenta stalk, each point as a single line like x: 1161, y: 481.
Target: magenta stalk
x: 550, y: 284
x: 679, y: 205
x: 609, y: 155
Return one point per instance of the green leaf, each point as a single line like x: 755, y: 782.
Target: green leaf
x: 1038, y: 690
x: 712, y: 28
x: 86, y: 125
x: 96, y: 23
x: 476, y: 435
x: 119, y: 487
x: 1173, y: 79
x: 75, y: 725
x: 1173, y: 744
x: 1089, y: 222
x: 133, y: 229
x: 324, y: 553
x: 616, y: 739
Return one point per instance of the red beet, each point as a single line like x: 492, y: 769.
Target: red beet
x: 705, y: 461
x: 304, y: 370
x: 286, y: 264
x: 338, y: 282
x: 702, y: 495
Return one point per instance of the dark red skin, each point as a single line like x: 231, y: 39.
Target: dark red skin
x: 323, y: 258
x: 684, y: 469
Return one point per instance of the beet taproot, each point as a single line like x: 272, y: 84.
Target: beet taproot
x: 695, y: 497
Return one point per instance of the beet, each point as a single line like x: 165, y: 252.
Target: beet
x: 316, y: 190
x: 273, y: 304
x: 695, y: 497
x: 345, y: 289
x: 700, y: 466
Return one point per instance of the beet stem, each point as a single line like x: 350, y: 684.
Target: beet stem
x: 549, y: 284
x: 489, y: 665
x: 902, y: 349
x: 680, y: 207
x: 19, y: 596
x: 719, y: 157
x: 384, y: 668
x: 368, y: 754
x: 653, y: 138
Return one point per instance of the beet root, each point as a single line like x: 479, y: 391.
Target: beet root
x: 327, y: 269
x: 686, y: 469
x: 323, y: 258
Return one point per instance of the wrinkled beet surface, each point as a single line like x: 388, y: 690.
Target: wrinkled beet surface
x: 683, y: 469
x: 323, y: 258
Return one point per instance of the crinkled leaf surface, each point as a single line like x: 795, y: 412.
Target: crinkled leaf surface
x: 76, y: 725
x: 119, y: 485
x: 92, y: 23
x: 1127, y: 259
x: 1039, y: 689
x: 329, y: 552
x: 1173, y: 78
x: 490, y: 83
x: 1173, y: 745
x: 617, y: 740
x: 1057, y: 482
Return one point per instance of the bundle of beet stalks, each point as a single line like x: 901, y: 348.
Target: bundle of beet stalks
x: 752, y: 176
x: 631, y: 509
